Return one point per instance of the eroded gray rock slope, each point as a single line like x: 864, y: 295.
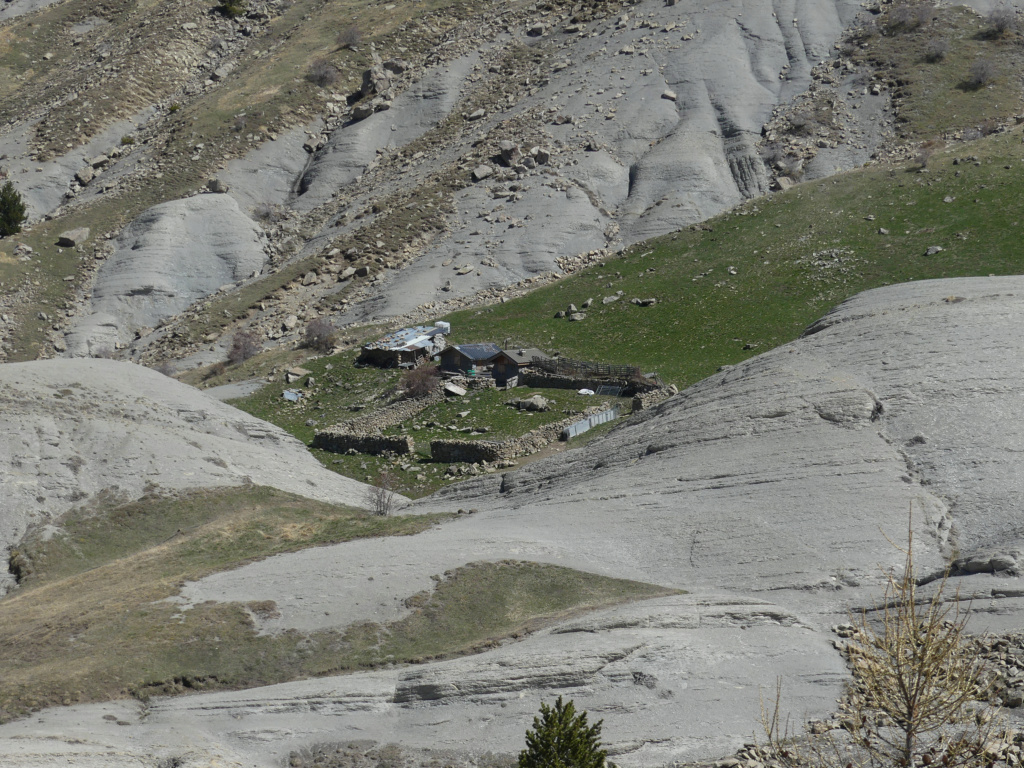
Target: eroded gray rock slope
x: 767, y: 491
x: 70, y: 429
x: 170, y: 256
x: 651, y: 119
x: 630, y: 164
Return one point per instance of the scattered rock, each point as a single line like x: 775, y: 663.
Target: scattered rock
x: 510, y: 153
x: 73, y: 237
x: 933, y: 249
x: 217, y: 186
x: 482, y: 172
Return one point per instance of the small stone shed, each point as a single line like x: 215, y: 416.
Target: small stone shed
x: 464, y: 357
x: 511, y: 362
x: 408, y: 346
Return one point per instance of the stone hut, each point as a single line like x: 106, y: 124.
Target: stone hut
x: 407, y: 347
x: 511, y: 362
x: 468, y: 357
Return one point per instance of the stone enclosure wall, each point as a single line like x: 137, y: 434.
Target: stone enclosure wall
x: 473, y: 451
x: 373, y: 444
x: 647, y: 399
x: 557, y: 381
x: 363, y: 432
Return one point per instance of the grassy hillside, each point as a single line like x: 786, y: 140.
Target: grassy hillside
x: 91, y: 620
x: 795, y: 255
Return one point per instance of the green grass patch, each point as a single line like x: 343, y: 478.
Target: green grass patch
x: 341, y: 392
x: 87, y: 622
x: 91, y: 622
x: 488, y: 410
x: 796, y: 255
x: 476, y: 606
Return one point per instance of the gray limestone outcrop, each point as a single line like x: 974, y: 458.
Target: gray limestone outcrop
x: 355, y: 147
x: 170, y: 256
x: 72, y: 429
x: 766, y: 491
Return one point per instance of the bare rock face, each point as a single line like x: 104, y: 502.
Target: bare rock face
x: 74, y: 428
x: 766, y: 492
x: 170, y: 256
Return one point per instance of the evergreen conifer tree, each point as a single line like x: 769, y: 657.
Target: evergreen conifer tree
x: 12, y: 210
x: 562, y: 739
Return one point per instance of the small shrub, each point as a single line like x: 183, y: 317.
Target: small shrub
x: 903, y: 18
x: 983, y: 72
x: 217, y: 369
x: 244, y: 345
x: 936, y: 50
x: 380, y: 495
x: 1001, y: 21
x: 174, y: 107
x: 13, y: 211
x: 350, y: 37
x: 560, y: 738
x: 127, y: 141
x: 232, y: 8
x: 320, y: 335
x: 420, y: 382
x: 322, y: 73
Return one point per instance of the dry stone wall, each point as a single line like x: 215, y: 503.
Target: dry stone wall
x: 373, y: 444
x: 474, y: 451
x: 363, y: 434
x: 558, y: 381
x: 388, y: 416
x: 644, y: 400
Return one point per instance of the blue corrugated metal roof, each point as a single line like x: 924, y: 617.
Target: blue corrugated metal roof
x: 478, y: 353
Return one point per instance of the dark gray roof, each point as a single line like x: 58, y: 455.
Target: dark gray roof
x: 522, y: 356
x: 478, y: 353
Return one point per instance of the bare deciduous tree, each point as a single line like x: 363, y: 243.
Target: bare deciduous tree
x: 320, y: 335
x: 244, y: 344
x: 916, y: 695
x: 380, y: 495
x: 983, y: 72
x: 1002, y: 20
